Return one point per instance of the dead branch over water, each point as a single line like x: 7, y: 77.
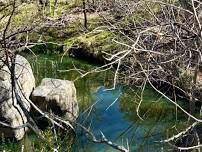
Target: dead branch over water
x: 161, y: 45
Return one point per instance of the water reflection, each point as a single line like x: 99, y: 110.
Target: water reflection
x: 111, y: 111
x: 119, y: 122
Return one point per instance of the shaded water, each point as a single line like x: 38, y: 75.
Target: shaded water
x: 112, y: 112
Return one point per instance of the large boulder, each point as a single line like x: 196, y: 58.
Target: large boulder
x: 11, y: 112
x: 57, y: 96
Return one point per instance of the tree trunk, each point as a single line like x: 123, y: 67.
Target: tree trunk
x: 84, y: 13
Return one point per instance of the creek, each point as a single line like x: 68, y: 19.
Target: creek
x: 111, y: 112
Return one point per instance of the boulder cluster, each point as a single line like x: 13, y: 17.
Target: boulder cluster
x: 52, y: 95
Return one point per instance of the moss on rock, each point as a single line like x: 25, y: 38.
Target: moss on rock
x: 92, y: 46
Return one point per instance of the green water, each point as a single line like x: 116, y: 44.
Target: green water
x: 118, y: 121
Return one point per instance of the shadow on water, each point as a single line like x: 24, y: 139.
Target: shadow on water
x: 112, y: 112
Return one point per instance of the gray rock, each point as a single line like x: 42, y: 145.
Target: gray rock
x: 58, y: 96
x: 10, y: 110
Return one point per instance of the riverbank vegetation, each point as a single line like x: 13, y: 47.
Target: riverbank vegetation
x: 152, y: 43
